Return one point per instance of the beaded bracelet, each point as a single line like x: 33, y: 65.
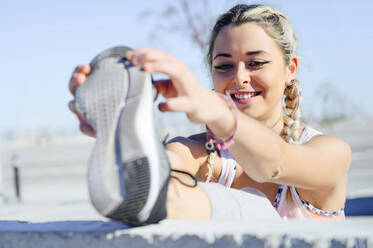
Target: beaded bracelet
x: 211, y: 137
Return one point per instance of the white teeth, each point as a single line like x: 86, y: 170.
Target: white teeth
x: 244, y: 96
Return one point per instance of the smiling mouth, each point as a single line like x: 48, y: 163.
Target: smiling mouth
x: 244, y: 96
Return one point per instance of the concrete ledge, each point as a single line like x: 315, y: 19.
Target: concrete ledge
x: 354, y: 232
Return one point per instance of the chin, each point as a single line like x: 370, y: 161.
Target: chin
x: 253, y: 113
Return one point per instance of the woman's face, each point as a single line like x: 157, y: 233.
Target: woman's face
x: 250, y: 66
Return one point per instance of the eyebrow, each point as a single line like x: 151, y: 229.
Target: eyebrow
x: 227, y: 55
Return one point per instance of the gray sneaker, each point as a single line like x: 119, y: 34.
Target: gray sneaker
x: 128, y: 171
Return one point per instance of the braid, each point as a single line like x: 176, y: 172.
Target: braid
x: 292, y: 112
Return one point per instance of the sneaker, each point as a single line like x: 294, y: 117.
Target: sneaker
x: 128, y: 171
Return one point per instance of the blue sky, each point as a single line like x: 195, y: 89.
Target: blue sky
x: 42, y: 41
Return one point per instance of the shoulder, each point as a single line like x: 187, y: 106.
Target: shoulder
x: 326, y: 145
x: 320, y: 163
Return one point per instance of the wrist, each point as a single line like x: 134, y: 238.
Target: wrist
x: 222, y: 129
x: 223, y: 126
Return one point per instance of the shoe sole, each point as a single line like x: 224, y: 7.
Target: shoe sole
x: 127, y: 170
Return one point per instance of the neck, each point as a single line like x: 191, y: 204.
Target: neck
x: 276, y: 124
x: 275, y: 121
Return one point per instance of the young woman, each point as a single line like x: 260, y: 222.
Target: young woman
x: 255, y: 141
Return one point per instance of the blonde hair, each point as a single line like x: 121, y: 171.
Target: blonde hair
x: 278, y: 27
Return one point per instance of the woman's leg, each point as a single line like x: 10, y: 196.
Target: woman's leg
x: 212, y: 200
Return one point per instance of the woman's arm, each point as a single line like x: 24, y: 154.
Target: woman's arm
x: 321, y: 163
x: 261, y: 152
x: 266, y: 157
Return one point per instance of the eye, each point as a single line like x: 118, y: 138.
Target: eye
x: 257, y: 63
x: 223, y: 67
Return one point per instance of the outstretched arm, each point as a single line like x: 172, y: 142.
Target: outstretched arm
x: 264, y: 156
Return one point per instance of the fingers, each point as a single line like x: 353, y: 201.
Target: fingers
x: 165, y: 88
x: 78, y: 77
x: 176, y: 104
x: 87, y: 129
x: 84, y: 126
x: 171, y: 68
x: 85, y: 69
x: 72, y: 106
x: 154, y: 60
x: 140, y: 56
x: 76, y: 80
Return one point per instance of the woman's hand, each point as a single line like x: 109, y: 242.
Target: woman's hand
x: 182, y: 91
x: 78, y: 78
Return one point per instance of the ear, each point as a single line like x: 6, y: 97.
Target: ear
x: 291, y: 70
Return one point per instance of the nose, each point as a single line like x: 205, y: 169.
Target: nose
x: 241, y: 76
